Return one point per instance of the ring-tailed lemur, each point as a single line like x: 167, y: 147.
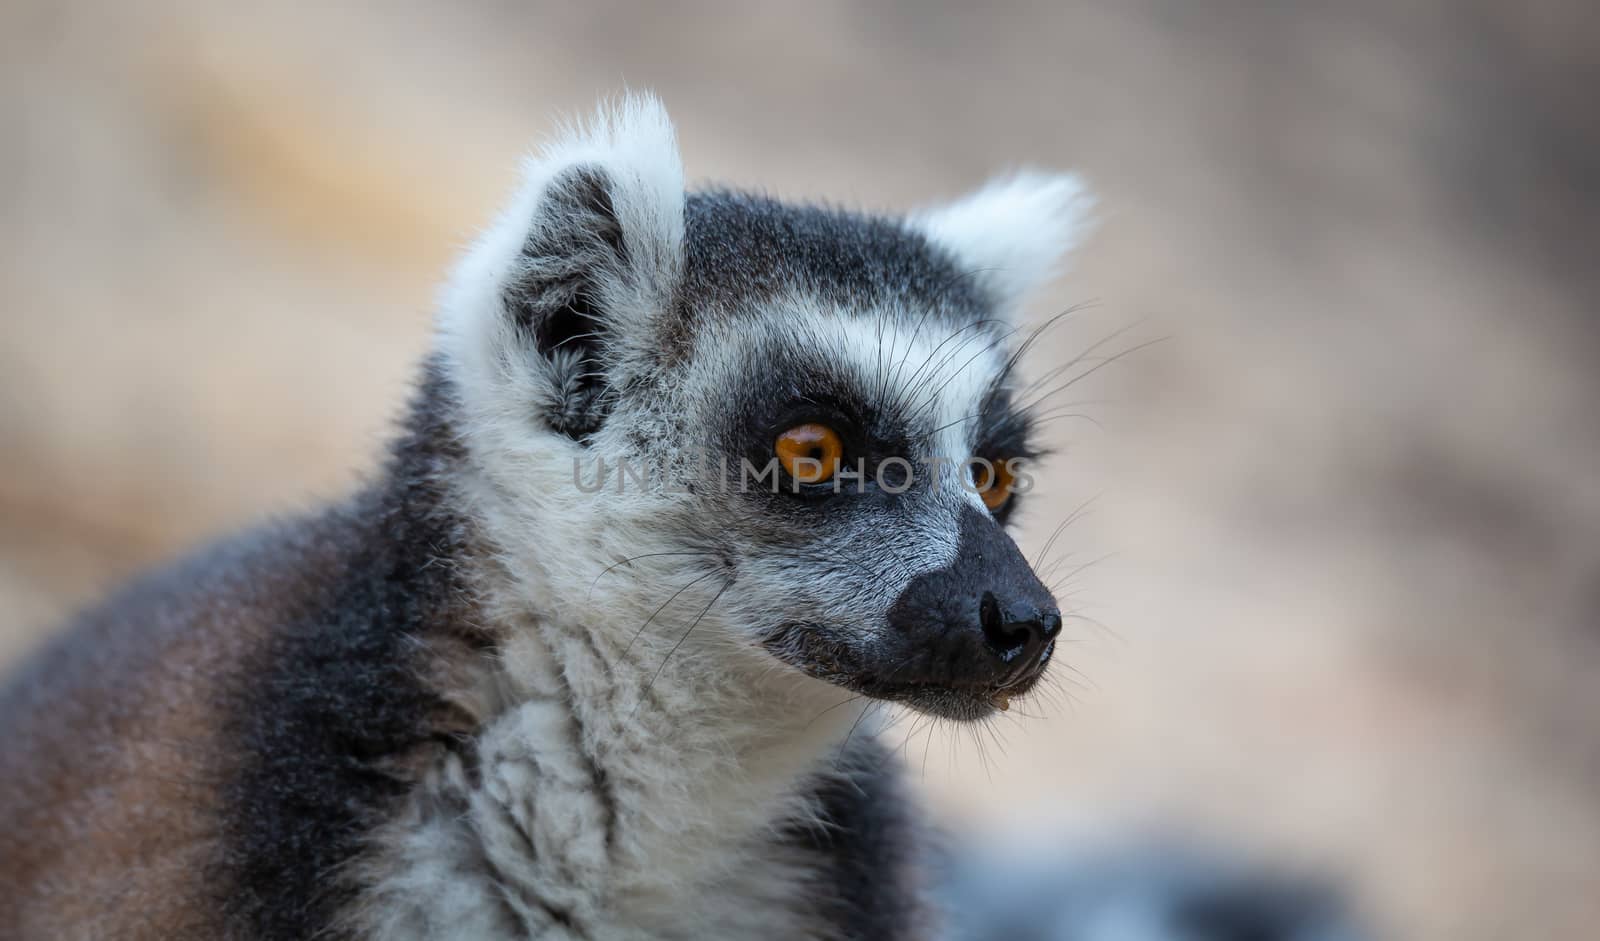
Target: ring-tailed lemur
x: 517, y: 687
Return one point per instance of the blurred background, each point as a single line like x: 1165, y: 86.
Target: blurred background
x: 1344, y: 606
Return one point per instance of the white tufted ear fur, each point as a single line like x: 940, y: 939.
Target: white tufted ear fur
x: 1015, y: 231
x: 577, y: 269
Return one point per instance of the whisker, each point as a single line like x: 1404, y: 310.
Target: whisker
x: 928, y: 401
x: 1083, y: 356
x: 905, y: 744
x: 917, y: 330
x: 853, y: 726
x: 692, y: 625
x: 914, y: 386
x: 631, y: 559
x: 899, y: 365
x: 1067, y: 416
x: 663, y: 607
x: 843, y: 702
x: 1040, y: 400
x: 974, y: 325
x: 1078, y: 568
x: 1033, y: 337
x: 1072, y: 517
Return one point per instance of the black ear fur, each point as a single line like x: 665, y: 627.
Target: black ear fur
x: 572, y: 251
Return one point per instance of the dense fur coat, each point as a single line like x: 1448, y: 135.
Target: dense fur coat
x: 480, y: 699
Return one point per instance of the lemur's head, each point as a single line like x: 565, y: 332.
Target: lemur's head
x: 783, y: 436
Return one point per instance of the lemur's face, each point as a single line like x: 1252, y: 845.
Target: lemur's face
x: 793, y: 430
x: 872, y: 552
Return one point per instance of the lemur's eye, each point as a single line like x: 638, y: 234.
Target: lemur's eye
x: 810, y: 453
x: 993, y: 480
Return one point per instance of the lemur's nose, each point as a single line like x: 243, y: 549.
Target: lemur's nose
x: 982, y: 623
x: 1018, y: 633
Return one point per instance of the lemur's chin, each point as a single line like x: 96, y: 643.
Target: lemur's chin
x: 962, y: 703
x: 948, y: 688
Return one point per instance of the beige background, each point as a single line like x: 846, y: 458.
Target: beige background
x: 1348, y: 608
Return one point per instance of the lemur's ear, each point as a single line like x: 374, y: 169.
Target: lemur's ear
x: 578, y: 270
x: 1014, y: 232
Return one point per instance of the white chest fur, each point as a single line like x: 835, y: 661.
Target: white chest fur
x: 604, y: 798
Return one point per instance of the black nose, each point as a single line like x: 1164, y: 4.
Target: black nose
x: 983, y: 623
x: 1017, y: 633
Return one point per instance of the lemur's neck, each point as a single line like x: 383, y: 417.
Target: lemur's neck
x: 666, y: 717
x: 661, y: 776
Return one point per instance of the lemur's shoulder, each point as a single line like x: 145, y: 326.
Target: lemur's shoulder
x: 234, y: 714
x: 876, y: 845
x: 114, y: 746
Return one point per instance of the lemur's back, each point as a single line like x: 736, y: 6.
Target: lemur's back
x: 113, y: 756
x: 194, y: 758
x: 116, y: 758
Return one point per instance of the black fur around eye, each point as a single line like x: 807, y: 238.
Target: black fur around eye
x: 994, y: 480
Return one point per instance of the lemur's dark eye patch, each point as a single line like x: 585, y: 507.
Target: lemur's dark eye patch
x: 993, y: 480
x: 809, y: 453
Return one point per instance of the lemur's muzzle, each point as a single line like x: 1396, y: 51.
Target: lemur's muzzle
x: 980, y: 629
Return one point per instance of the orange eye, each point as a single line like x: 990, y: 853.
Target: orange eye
x: 993, y: 480
x: 809, y: 453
